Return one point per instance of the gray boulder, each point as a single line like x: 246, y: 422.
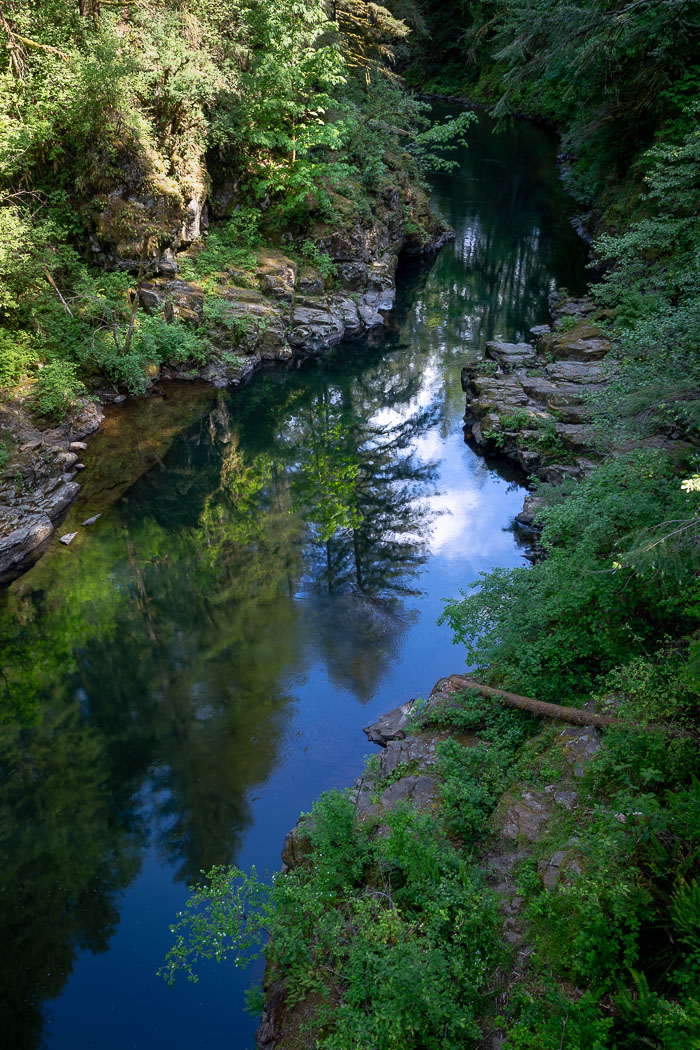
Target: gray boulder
x: 24, y: 544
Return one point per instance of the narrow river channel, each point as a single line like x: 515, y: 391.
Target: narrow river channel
x: 264, y: 580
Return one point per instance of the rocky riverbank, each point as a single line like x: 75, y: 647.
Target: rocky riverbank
x: 38, y: 481
x: 528, y: 813
x: 532, y: 402
x: 282, y: 308
x: 279, y: 310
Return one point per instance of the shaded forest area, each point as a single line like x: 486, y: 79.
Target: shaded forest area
x: 127, y: 129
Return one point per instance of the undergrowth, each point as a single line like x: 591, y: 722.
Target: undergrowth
x: 393, y: 936
x: 616, y: 960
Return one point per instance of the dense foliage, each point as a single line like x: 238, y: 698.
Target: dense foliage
x: 294, y: 108
x: 389, y: 938
x: 611, y: 615
x: 401, y: 965
x: 625, y: 931
x: 614, y: 581
x: 116, y: 121
x: 607, y: 75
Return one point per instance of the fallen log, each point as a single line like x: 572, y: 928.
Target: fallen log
x: 574, y: 715
x: 537, y: 707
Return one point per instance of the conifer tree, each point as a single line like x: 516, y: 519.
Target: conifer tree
x: 369, y: 32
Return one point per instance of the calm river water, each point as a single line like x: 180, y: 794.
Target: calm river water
x: 265, y: 580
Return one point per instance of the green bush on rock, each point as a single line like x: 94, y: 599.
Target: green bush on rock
x: 392, y: 936
x: 58, y: 388
x: 611, y: 583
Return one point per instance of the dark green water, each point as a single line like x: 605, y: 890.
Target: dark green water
x: 190, y: 674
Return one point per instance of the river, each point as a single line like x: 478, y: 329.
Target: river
x: 264, y: 579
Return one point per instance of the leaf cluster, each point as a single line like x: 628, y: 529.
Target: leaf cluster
x: 550, y: 631
x: 390, y: 938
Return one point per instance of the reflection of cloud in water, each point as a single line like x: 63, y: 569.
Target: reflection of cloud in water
x: 430, y: 446
x: 428, y: 392
x: 464, y: 518
x: 357, y: 637
x: 468, y: 524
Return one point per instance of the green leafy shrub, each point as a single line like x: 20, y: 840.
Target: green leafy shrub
x: 321, y: 260
x: 550, y: 631
x: 220, y: 313
x: 550, y: 1021
x: 228, y: 244
x: 17, y: 353
x: 401, y: 964
x: 645, y: 693
x: 518, y: 420
x: 567, y: 323
x: 58, y: 387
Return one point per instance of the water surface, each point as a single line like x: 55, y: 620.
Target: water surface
x: 264, y: 580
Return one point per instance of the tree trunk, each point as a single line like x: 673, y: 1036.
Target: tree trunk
x: 537, y: 707
x: 56, y: 289
x: 573, y: 715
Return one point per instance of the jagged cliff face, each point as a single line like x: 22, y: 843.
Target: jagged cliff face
x: 141, y: 219
x: 138, y: 210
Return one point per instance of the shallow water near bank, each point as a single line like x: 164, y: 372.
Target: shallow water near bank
x: 264, y: 579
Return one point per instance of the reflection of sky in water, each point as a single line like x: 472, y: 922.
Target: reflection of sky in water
x: 467, y: 520
x: 221, y: 694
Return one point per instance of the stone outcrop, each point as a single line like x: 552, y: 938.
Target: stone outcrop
x: 282, y: 310
x: 533, y: 405
x: 141, y: 209
x: 392, y: 726
x: 37, y: 482
x: 405, y: 770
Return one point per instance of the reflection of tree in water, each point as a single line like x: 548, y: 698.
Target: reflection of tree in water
x: 514, y: 241
x: 68, y: 849
x: 148, y: 668
x: 359, y: 489
x: 207, y: 671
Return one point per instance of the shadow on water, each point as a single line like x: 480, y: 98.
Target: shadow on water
x: 196, y: 667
